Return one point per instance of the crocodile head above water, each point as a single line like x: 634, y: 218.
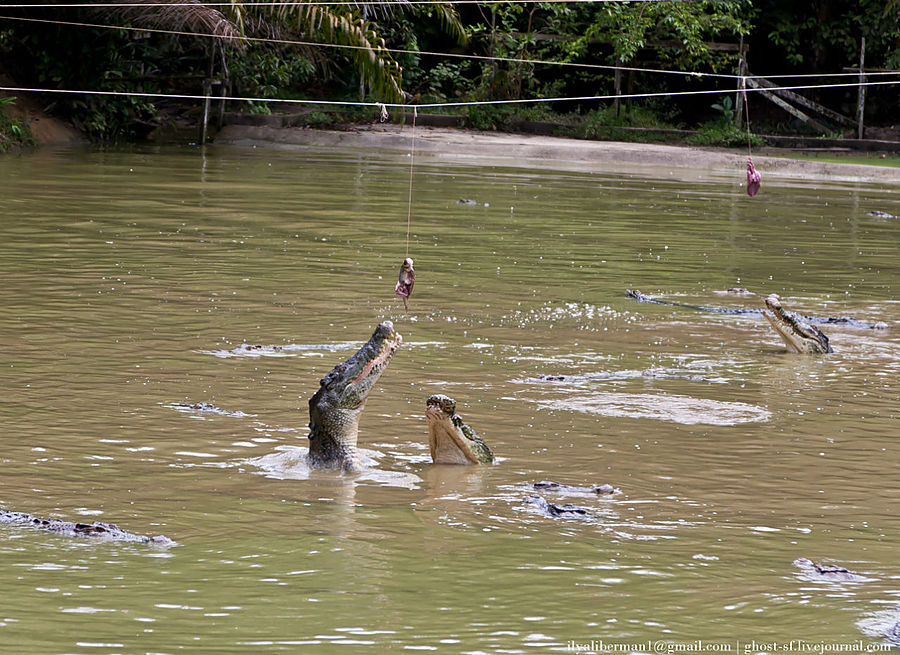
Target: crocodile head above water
x: 797, y: 334
x: 452, y: 441
x: 335, y: 409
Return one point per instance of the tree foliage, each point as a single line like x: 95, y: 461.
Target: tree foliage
x: 784, y: 36
x: 825, y: 35
x: 682, y: 30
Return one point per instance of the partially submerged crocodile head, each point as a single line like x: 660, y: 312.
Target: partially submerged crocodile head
x: 450, y: 440
x: 799, y: 335
x: 335, y: 409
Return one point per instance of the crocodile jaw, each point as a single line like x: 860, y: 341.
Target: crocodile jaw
x: 335, y: 409
x: 448, y: 440
x: 799, y: 336
x: 446, y: 443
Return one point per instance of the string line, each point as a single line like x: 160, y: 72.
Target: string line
x: 746, y: 113
x: 453, y: 55
x: 435, y: 105
x: 412, y: 159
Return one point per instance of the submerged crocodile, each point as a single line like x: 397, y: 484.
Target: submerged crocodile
x: 554, y: 510
x: 208, y: 408
x: 827, y: 572
x: 97, y: 529
x: 450, y: 440
x: 335, y: 408
x: 549, y: 485
x: 797, y: 334
x: 753, y: 311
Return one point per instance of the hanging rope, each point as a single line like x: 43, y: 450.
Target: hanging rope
x: 412, y: 160
x: 407, y: 279
x: 754, y: 179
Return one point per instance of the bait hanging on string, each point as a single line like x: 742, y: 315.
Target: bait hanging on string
x: 406, y: 282
x: 753, y: 179
x: 407, y: 278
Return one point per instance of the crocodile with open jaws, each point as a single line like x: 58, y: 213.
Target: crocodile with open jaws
x: 818, y: 320
x: 798, y: 335
x: 450, y: 440
x: 97, y: 529
x: 335, y: 408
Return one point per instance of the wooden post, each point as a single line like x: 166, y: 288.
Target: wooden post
x: 207, y: 92
x: 816, y: 125
x: 861, y: 103
x: 618, y: 83
x: 204, y: 123
x: 804, y: 102
x: 224, y: 88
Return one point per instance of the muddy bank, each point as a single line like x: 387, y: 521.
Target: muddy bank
x: 528, y: 150
x: 45, y: 129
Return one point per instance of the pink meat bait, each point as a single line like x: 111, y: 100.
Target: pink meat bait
x: 406, y: 282
x: 753, y: 179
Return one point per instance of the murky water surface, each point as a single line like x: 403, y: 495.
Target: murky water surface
x: 134, y: 282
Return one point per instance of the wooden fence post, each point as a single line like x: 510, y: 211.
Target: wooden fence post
x: 861, y: 103
x: 207, y: 91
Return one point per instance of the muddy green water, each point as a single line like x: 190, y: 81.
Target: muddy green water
x: 131, y: 278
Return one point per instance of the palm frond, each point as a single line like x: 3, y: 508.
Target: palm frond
x: 449, y: 19
x: 176, y: 15
x: 344, y: 26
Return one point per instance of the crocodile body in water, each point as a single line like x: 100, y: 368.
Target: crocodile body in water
x: 554, y: 510
x: 753, y: 311
x: 549, y: 485
x: 335, y: 409
x: 450, y: 440
x: 96, y: 530
x: 827, y: 572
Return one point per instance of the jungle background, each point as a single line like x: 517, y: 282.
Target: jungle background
x: 267, y: 52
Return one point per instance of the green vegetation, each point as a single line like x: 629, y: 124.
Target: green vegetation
x: 386, y: 58
x: 723, y: 133
x: 13, y: 133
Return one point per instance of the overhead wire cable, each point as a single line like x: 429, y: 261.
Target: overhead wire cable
x: 455, y: 55
x: 517, y: 60
x: 434, y: 105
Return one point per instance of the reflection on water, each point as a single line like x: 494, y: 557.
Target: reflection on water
x: 166, y: 317
x: 679, y: 409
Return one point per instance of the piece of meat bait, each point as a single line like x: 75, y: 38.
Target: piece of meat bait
x: 753, y: 179
x: 406, y: 282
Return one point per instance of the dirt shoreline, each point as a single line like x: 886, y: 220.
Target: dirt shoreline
x: 555, y: 152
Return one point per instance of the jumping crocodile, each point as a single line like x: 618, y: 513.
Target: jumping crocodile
x: 335, y: 408
x: 818, y: 320
x: 450, y: 440
x: 797, y: 334
x: 97, y: 529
